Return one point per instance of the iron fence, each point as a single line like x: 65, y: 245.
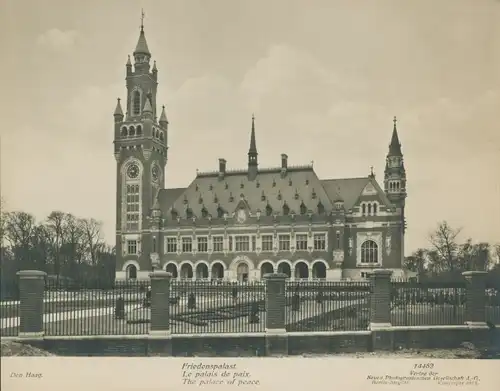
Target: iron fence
x: 492, y: 309
x: 83, y: 311
x: 217, y: 307
x: 427, y: 303
x: 327, y: 305
x: 9, y: 316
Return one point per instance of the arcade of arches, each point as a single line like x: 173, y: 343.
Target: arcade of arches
x: 217, y: 271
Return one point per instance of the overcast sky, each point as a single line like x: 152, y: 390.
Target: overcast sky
x: 324, y: 79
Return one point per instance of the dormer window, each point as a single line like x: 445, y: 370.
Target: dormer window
x: 204, y: 212
x: 189, y: 213
x: 211, y: 187
x: 313, y: 195
x: 321, y: 208
x: 269, y: 210
x: 257, y: 184
x: 220, y: 212
x: 307, y: 182
x: 231, y: 198
x: 289, y: 182
x: 286, y: 209
x: 263, y: 196
x: 274, y: 183
x: 279, y: 195
x: 227, y: 186
x: 303, y: 208
x: 242, y: 185
x: 296, y: 196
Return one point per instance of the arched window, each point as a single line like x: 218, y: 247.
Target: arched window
x: 124, y: 132
x: 363, y: 209
x: 303, y: 208
x: 369, y: 252
x: 131, y: 131
x: 131, y: 272
x: 136, y: 102
x: 139, y: 130
x: 374, y: 209
x: 321, y: 208
x: 286, y: 209
x: 369, y: 209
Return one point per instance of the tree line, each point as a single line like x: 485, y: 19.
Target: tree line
x: 69, y: 249
x: 447, y: 257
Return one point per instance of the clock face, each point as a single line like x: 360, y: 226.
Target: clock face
x: 133, y: 171
x: 155, y: 173
x: 241, y: 216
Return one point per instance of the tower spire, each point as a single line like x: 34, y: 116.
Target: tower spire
x: 142, y: 45
x: 395, y: 145
x: 252, y: 153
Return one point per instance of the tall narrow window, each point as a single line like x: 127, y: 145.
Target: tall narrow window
x: 187, y: 244
x: 338, y: 239
x: 132, y: 207
x: 301, y: 242
x: 374, y: 209
x: 363, y: 209
x: 202, y: 244
x: 154, y: 245
x: 284, y: 242
x: 369, y: 252
x: 136, y: 102
x: 369, y: 209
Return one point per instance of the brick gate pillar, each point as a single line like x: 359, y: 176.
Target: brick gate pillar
x: 276, y: 335
x: 31, y: 292
x: 380, y: 309
x: 475, y: 292
x: 160, y: 337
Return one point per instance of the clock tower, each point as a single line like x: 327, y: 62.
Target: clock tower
x: 140, y: 147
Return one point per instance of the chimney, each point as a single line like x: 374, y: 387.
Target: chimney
x: 284, y: 164
x: 222, y: 168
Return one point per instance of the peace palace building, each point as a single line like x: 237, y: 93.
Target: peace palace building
x: 241, y: 224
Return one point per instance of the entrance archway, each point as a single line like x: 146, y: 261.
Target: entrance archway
x: 319, y: 270
x: 201, y: 271
x: 172, y: 268
x: 284, y: 267
x: 217, y: 271
x: 242, y: 272
x: 186, y: 271
x: 266, y: 268
x: 301, y: 270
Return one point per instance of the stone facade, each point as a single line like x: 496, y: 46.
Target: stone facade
x: 242, y: 224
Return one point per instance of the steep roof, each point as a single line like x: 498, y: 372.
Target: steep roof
x: 209, y: 192
x: 299, y: 185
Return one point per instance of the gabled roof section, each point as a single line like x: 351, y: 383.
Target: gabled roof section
x: 372, y: 189
x: 300, y: 184
x: 348, y: 189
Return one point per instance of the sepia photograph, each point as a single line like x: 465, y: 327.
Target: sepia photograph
x: 228, y: 179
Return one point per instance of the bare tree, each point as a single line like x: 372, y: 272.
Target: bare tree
x: 444, y: 242
x: 20, y: 228
x: 417, y: 262
x: 92, y: 235
x: 55, y: 226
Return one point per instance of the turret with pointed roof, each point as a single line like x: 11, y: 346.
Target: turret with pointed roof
x: 118, y: 114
